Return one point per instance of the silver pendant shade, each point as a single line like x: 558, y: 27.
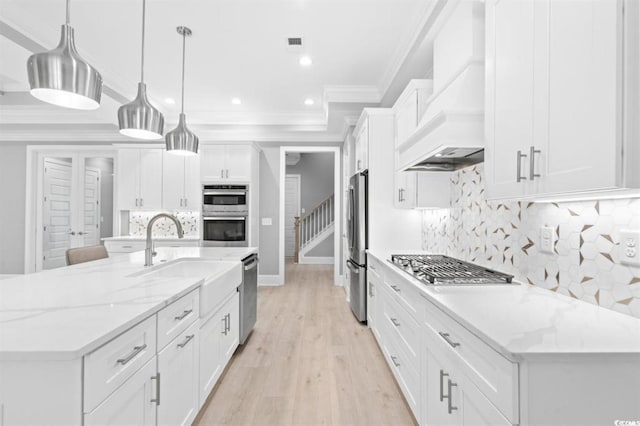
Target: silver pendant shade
x: 181, y: 140
x: 61, y: 77
x: 139, y: 119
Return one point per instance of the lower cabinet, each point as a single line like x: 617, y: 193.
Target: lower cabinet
x: 178, y: 376
x: 219, y: 338
x: 373, y: 286
x: 133, y: 404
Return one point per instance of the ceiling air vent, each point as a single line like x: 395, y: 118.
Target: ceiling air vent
x: 294, y: 41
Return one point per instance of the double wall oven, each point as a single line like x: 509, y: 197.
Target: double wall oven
x: 225, y: 215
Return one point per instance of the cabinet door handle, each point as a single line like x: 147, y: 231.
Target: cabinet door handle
x: 224, y: 320
x: 450, y: 406
x: 186, y: 341
x: 141, y: 202
x: 395, y: 288
x: 157, y: 398
x: 181, y: 201
x: 395, y: 322
x: 185, y: 202
x: 183, y: 315
x: 447, y: 339
x: 399, y: 195
x: 442, y: 376
x: 136, y: 351
x: 519, y: 176
x: 222, y: 173
x: 227, y: 173
x: 532, y: 162
x: 229, y: 322
x: 136, y: 202
x: 394, y: 360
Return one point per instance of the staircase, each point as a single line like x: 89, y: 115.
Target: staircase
x: 313, y: 228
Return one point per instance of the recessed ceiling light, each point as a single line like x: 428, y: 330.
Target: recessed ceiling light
x: 305, y: 61
x: 170, y: 101
x: 308, y: 101
x: 236, y: 101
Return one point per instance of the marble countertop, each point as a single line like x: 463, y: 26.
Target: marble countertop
x: 64, y: 313
x: 524, y: 321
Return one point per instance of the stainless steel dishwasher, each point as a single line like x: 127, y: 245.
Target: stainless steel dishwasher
x: 248, y: 296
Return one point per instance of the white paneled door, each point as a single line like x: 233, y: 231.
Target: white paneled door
x: 57, y: 229
x: 291, y: 210
x: 71, y: 213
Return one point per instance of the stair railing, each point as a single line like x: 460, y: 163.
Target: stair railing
x: 309, y: 226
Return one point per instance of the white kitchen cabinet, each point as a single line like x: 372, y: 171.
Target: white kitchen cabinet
x: 118, y: 245
x: 405, y: 189
x: 362, y: 145
x: 139, y: 179
x: 422, y: 190
x: 409, y: 108
x: 561, y: 77
x: 181, y: 182
x: 178, y: 371
x: 226, y: 163
x: 220, y: 334
x: 134, y: 403
x: 375, y: 278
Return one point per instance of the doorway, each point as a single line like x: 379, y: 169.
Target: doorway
x: 72, y: 206
x: 291, y: 211
x: 333, y: 211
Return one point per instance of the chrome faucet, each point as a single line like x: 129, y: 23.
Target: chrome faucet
x: 149, y: 252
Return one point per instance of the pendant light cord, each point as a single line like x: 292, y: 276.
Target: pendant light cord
x: 184, y: 39
x: 144, y: 10
x: 68, y: 13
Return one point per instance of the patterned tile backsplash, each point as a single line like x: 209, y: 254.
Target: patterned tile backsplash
x: 506, y: 236
x: 164, y: 227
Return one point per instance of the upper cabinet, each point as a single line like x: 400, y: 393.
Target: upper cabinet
x: 562, y: 84
x: 416, y: 189
x: 362, y: 145
x: 139, y: 179
x: 181, y: 182
x: 226, y: 163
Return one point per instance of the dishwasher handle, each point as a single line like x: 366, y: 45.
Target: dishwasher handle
x: 251, y: 265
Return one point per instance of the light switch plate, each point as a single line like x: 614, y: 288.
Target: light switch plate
x: 267, y: 221
x: 547, y: 241
x: 629, y: 247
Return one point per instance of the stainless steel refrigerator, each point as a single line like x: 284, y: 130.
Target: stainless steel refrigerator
x: 358, y: 241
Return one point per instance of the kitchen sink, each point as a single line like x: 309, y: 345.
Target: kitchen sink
x: 220, y: 278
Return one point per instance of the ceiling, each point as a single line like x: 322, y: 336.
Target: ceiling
x: 239, y: 49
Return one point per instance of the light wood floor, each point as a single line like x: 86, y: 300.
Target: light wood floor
x: 308, y: 361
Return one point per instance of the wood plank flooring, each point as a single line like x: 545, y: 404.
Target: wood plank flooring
x: 308, y: 361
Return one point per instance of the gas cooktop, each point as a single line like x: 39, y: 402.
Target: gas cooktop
x: 444, y: 270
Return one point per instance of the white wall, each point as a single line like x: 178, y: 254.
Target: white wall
x: 269, y: 208
x: 13, y: 163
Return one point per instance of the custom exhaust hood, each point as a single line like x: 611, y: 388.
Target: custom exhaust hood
x: 450, y: 133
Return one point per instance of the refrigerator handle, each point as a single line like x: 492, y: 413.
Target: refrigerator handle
x: 353, y: 267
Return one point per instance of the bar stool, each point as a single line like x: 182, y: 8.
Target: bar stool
x: 85, y: 254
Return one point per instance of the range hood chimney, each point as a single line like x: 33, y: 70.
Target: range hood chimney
x: 450, y: 134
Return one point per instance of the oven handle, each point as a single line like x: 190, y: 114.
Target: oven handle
x: 224, y: 218
x: 222, y: 193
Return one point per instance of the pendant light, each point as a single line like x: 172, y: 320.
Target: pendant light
x: 61, y: 77
x: 181, y: 140
x: 139, y: 119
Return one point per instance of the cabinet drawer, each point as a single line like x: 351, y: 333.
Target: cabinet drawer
x: 406, y: 294
x: 124, y: 246
x: 106, y: 368
x: 176, y: 317
x: 495, y: 376
x: 375, y: 266
x: 403, y: 326
x: 405, y: 372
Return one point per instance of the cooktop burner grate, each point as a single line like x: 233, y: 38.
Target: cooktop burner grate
x: 439, y: 269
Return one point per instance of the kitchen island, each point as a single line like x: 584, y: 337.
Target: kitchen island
x: 81, y: 344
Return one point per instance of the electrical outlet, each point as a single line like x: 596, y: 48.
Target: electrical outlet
x: 547, y: 242
x: 629, y: 241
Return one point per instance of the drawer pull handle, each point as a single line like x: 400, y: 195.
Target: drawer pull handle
x: 394, y: 360
x: 186, y: 341
x: 127, y: 246
x: 395, y: 288
x: 136, y: 351
x: 157, y: 398
x: 442, y: 376
x: 450, y: 407
x: 183, y: 315
x: 395, y: 322
x: 447, y: 339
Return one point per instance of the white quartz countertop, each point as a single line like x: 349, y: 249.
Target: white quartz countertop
x: 144, y: 238
x: 65, y: 313
x: 523, y: 321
